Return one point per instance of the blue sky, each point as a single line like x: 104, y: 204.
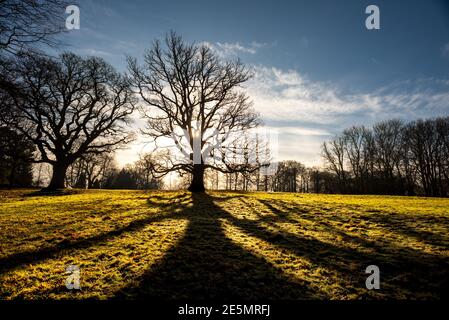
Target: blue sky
x: 317, y: 68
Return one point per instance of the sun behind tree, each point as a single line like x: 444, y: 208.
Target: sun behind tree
x: 192, y: 97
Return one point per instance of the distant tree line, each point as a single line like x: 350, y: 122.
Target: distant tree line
x: 289, y: 176
x: 101, y: 172
x: 392, y: 157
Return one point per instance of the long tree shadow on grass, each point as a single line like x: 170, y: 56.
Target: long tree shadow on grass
x: 406, y: 272
x: 37, y: 255
x: 206, y: 264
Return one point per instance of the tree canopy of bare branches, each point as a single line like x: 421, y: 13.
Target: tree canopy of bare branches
x: 26, y: 23
x: 68, y: 107
x: 392, y: 158
x: 192, y: 98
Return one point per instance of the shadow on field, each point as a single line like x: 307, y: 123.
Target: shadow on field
x: 33, y: 256
x: 206, y: 264
x: 52, y: 193
x: 405, y: 271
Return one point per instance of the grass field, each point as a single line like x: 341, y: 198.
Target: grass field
x: 170, y: 245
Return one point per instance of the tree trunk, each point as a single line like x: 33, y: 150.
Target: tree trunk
x: 12, y: 175
x: 197, y: 184
x: 58, y: 176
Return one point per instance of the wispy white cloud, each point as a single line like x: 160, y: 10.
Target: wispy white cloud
x: 227, y: 49
x: 288, y: 96
x: 290, y: 130
x: 93, y: 52
x: 307, y: 112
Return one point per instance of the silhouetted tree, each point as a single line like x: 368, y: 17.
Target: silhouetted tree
x: 356, y: 148
x: 187, y: 87
x: 125, y: 179
x: 25, y: 24
x: 335, y: 156
x: 16, y: 154
x: 428, y: 141
x: 89, y: 170
x: 109, y: 176
x: 392, y: 158
x: 287, y: 176
x: 69, y: 107
x: 144, y: 173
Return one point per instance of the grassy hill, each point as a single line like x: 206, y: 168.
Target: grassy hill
x: 169, y: 245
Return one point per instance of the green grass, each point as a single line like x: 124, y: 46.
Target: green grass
x: 173, y: 245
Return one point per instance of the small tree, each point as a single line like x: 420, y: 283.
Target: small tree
x: 89, y: 171
x: 68, y: 107
x: 144, y: 172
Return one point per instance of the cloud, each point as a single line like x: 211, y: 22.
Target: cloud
x: 227, y: 49
x: 300, y: 131
x: 300, y: 143
x: 93, y: 52
x: 290, y: 96
x: 233, y: 48
x: 307, y: 112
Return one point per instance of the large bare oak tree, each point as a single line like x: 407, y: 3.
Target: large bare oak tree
x: 68, y: 107
x: 193, y: 98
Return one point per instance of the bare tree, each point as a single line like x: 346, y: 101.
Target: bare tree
x: 288, y: 175
x: 428, y: 142
x: 442, y: 132
x: 90, y: 170
x: 75, y: 176
x: 144, y: 172
x: 96, y: 165
x: 335, y: 156
x: 354, y: 144
x: 392, y: 158
x: 69, y: 107
x: 25, y: 24
x: 193, y: 99
x: 387, y: 136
